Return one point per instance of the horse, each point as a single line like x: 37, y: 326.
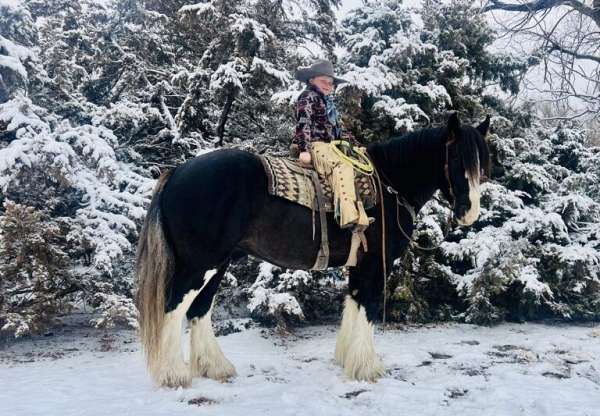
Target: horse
x: 216, y: 206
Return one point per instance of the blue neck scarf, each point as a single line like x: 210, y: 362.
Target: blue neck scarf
x: 332, y: 114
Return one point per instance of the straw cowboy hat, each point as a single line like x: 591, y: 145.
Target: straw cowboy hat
x: 319, y: 67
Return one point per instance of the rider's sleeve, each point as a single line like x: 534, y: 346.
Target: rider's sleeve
x: 305, y: 111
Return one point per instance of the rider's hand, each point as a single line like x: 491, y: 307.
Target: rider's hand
x: 305, y: 158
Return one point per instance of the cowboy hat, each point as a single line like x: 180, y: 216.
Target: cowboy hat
x: 319, y: 67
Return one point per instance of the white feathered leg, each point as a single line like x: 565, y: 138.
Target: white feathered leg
x: 360, y: 361
x: 345, y: 334
x: 206, y: 357
x: 170, y: 370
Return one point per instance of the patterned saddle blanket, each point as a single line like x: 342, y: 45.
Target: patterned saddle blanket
x: 289, y: 180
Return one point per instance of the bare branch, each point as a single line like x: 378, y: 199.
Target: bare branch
x: 541, y: 5
x: 571, y: 117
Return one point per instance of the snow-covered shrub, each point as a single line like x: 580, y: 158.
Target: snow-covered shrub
x: 94, y: 203
x: 271, y: 304
x: 115, y: 310
x: 573, y: 273
x: 73, y: 172
x: 35, y: 280
x: 409, y: 66
x: 95, y: 96
x: 284, y: 297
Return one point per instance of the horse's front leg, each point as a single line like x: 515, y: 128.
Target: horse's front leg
x: 355, y: 348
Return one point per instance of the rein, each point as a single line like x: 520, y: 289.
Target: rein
x: 400, y: 200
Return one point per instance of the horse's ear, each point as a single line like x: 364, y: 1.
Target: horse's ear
x: 453, y: 125
x: 484, y: 127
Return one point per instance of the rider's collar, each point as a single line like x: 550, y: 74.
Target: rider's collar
x: 315, y: 89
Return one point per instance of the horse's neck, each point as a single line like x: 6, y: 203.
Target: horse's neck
x: 413, y: 164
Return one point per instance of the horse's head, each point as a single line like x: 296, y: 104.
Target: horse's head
x: 467, y: 164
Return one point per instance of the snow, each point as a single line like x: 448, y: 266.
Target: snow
x: 16, y: 55
x: 374, y: 79
x: 199, y: 8
x: 288, y: 97
x: 283, y: 77
x: 435, y: 93
x: 10, y: 4
x: 259, y: 31
x: 531, y: 279
x: 404, y: 114
x: 529, y: 369
x: 271, y: 302
x: 85, y: 158
x: 230, y: 74
x: 21, y: 112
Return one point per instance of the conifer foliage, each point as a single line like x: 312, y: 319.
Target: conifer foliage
x: 96, y: 98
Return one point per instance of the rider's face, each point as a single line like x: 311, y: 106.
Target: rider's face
x: 324, y: 83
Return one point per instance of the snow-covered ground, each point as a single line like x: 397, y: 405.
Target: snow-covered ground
x: 511, y: 369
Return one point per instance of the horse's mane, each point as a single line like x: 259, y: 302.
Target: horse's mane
x: 472, y: 147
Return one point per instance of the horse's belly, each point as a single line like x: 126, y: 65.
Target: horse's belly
x: 282, y: 234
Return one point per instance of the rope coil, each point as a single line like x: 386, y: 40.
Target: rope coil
x: 358, y: 159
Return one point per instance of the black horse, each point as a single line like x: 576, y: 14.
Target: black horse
x: 216, y: 205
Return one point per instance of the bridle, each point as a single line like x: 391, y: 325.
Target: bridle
x: 401, y: 201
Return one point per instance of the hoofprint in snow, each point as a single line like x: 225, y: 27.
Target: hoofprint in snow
x: 529, y: 369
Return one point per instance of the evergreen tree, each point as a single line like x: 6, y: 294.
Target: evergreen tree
x: 405, y: 75
x: 95, y: 97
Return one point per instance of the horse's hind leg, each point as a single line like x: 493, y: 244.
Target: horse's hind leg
x: 170, y: 369
x: 206, y: 357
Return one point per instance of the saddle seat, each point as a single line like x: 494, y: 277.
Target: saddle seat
x: 288, y: 179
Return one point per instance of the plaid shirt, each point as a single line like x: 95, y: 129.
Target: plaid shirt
x: 312, y: 122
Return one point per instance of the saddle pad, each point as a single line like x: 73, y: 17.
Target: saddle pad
x: 289, y: 180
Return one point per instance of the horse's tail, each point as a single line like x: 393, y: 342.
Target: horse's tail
x: 154, y: 267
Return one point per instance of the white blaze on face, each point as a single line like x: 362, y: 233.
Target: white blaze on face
x: 473, y: 213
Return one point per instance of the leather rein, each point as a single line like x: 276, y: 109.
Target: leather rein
x: 401, y: 201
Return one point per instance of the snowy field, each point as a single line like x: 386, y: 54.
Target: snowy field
x: 511, y: 369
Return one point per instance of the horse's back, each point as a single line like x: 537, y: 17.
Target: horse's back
x: 225, y: 166
x: 209, y: 200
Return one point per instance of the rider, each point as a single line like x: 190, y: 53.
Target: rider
x: 318, y: 124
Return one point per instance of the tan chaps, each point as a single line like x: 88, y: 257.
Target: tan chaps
x: 340, y: 174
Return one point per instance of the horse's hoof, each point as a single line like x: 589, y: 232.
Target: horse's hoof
x: 370, y: 370
x: 172, y: 375
x: 221, y: 371
x: 174, y: 380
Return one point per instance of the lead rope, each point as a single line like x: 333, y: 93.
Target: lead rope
x: 382, y: 247
x: 410, y: 238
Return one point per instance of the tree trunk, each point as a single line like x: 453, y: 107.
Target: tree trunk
x: 225, y: 115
